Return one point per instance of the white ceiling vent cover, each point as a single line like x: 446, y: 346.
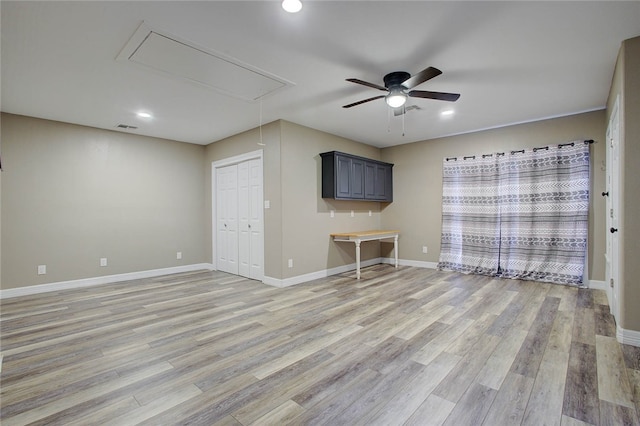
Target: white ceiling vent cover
x: 179, y: 58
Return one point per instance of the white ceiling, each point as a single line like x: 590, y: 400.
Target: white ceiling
x: 510, y: 61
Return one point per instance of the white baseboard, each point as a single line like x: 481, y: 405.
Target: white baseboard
x: 275, y: 282
x: 628, y: 337
x: 88, y: 282
x: 416, y: 263
x: 598, y: 285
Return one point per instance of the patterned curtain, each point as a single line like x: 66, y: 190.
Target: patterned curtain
x: 470, y: 215
x: 526, y: 213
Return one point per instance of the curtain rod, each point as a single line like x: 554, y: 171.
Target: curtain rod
x: 560, y: 145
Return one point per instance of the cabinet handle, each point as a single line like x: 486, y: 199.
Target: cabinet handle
x: 605, y: 194
x: 612, y: 230
x: 249, y: 226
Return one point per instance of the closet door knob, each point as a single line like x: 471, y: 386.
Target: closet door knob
x: 605, y: 194
x: 612, y: 230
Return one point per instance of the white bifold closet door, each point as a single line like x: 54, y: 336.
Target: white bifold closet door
x: 239, y: 219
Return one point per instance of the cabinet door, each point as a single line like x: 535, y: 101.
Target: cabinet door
x: 343, y: 177
x: 386, y: 182
x: 381, y: 180
x: 370, y: 181
x: 357, y: 178
x: 378, y: 183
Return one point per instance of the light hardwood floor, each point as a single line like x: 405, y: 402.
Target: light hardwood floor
x: 408, y: 346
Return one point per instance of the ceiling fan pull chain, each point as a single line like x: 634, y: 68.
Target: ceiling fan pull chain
x: 404, y: 110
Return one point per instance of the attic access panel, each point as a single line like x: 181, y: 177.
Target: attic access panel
x: 178, y: 58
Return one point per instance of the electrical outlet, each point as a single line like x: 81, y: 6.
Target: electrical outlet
x: 353, y: 214
x: 290, y: 263
x: 424, y: 249
x: 179, y: 255
x: 103, y: 261
x: 332, y: 213
x: 369, y: 213
x: 42, y: 269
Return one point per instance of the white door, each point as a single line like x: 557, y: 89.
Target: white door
x: 239, y: 219
x: 250, y: 219
x: 227, y: 219
x: 612, y: 193
x: 256, y: 232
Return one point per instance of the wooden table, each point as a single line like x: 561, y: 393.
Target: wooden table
x: 358, y: 237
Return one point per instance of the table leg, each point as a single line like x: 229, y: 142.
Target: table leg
x: 395, y: 248
x: 358, y: 259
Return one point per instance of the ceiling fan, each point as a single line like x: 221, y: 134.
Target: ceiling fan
x: 398, y: 85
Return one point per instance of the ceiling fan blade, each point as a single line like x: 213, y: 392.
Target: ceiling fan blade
x: 366, y: 83
x: 421, y: 77
x: 441, y: 96
x: 363, y: 101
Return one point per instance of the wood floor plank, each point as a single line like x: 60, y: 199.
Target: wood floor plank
x: 613, y: 383
x: 510, y: 402
x: 473, y: 406
x: 560, y: 335
x: 329, y: 408
x: 530, y: 355
x: 634, y: 381
x: 497, y: 366
x: 614, y: 414
x: 436, y: 346
x: 399, y: 346
x: 68, y: 401
x: 581, y: 390
x: 464, y: 373
x: 378, y: 394
x: 546, y: 398
x: 344, y: 369
x: 282, y: 414
x: 605, y: 323
x: 408, y: 401
x: 160, y: 405
x: 432, y: 412
x: 570, y: 421
x: 584, y: 326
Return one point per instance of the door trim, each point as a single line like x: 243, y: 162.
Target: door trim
x: 229, y: 161
x: 613, y: 186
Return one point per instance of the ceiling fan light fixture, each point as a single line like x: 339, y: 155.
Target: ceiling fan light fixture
x: 396, y: 98
x: 292, y: 6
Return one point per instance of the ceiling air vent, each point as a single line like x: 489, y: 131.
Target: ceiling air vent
x: 178, y: 58
x: 126, y: 126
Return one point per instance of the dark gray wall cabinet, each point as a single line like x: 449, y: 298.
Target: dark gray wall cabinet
x: 349, y: 177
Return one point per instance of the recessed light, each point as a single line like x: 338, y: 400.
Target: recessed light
x: 144, y: 115
x: 446, y: 113
x: 292, y: 6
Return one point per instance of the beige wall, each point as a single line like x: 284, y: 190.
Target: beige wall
x: 298, y: 222
x: 417, y: 175
x: 73, y: 194
x: 626, y: 85
x: 306, y: 214
x: 241, y: 144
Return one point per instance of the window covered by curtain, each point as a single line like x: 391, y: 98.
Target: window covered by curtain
x: 470, y: 216
x: 519, y: 215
